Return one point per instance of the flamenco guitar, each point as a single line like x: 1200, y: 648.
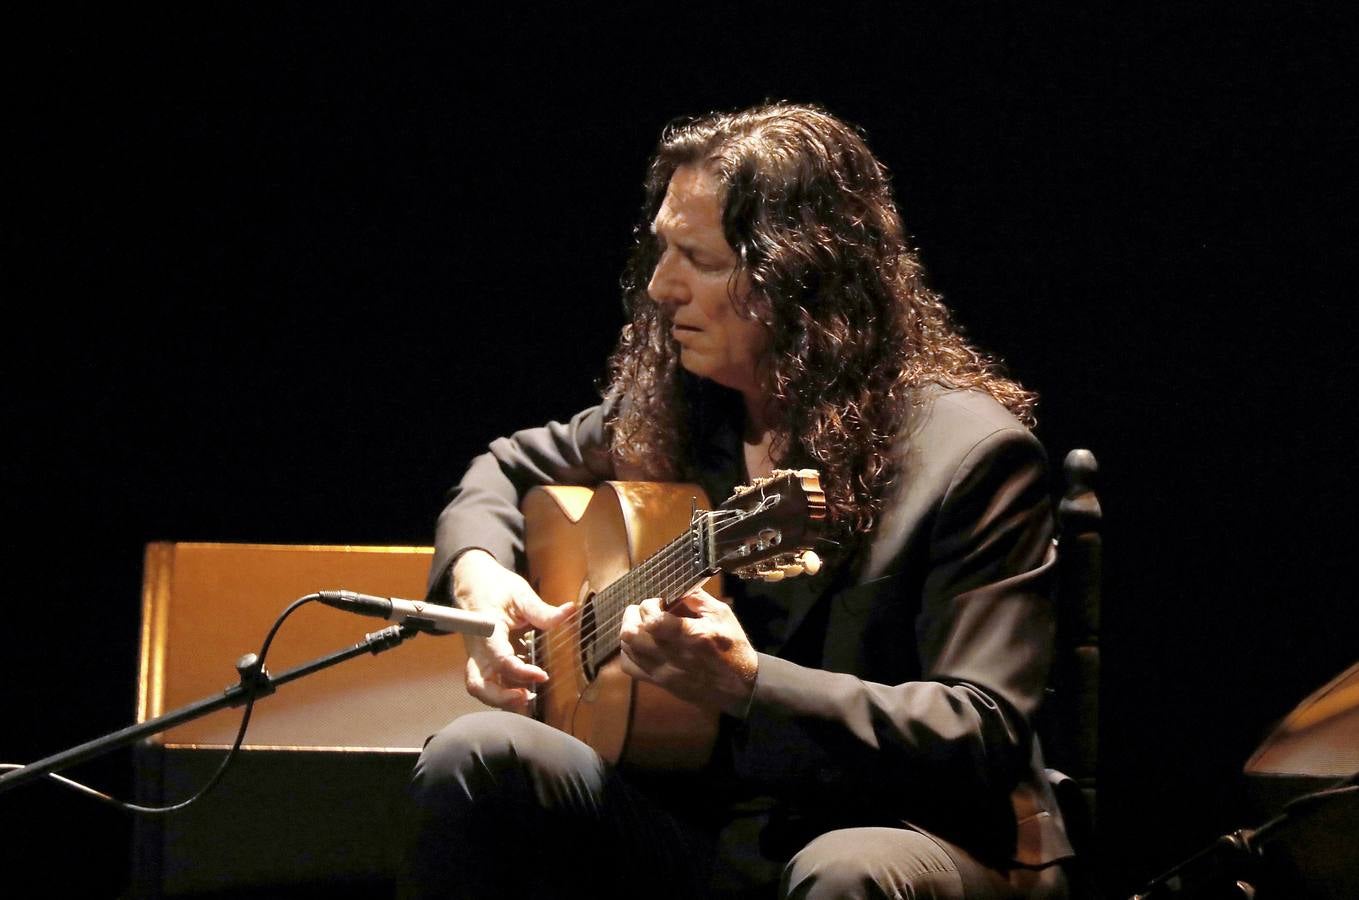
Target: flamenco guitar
x: 622, y: 543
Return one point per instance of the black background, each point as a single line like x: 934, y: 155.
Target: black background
x: 274, y: 274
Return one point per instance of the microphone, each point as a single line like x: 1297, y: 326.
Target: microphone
x: 427, y: 617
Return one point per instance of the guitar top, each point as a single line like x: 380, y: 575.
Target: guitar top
x: 584, y: 545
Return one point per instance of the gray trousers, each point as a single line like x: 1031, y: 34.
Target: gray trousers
x: 510, y: 807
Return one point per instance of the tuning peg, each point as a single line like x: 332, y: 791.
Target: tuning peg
x: 804, y: 563
x: 770, y: 575
x: 810, y: 562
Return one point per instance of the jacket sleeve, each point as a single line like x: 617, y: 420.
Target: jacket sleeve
x: 982, y: 636
x: 483, y: 509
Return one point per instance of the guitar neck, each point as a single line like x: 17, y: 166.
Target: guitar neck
x: 761, y: 531
x: 669, y: 573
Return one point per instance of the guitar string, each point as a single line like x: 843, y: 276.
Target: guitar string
x: 660, y: 559
x: 665, y: 559
x: 659, y: 566
x: 623, y: 582
x: 669, y: 590
x: 608, y: 605
x: 611, y: 602
x: 674, y: 582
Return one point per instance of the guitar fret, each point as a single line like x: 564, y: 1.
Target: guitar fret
x: 669, y: 573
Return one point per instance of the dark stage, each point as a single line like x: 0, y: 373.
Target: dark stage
x: 275, y: 274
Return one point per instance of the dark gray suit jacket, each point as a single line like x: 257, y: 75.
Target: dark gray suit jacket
x: 908, y: 679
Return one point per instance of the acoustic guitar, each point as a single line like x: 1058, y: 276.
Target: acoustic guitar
x: 624, y: 542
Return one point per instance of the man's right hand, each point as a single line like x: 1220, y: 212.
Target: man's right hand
x: 495, y: 675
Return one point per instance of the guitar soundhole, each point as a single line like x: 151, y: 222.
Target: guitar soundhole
x: 587, y: 638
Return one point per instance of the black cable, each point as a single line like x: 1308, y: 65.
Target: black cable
x: 255, y: 670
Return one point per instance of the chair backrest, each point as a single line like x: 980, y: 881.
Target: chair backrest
x: 1069, y: 726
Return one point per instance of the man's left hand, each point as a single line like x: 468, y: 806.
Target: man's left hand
x: 696, y: 650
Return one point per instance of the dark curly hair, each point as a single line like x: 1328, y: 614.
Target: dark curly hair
x: 855, y: 331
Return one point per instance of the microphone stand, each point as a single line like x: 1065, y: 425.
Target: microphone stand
x: 1213, y: 869
x: 1232, y: 859
x: 255, y: 682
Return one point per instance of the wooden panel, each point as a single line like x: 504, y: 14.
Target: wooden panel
x: 204, y: 605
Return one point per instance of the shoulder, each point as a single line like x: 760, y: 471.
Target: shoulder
x: 946, y: 427
x: 960, y: 454
x: 965, y: 412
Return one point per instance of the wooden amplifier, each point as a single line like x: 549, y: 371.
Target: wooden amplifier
x: 317, y: 794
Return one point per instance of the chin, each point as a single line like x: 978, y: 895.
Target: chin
x: 693, y: 364
x: 696, y: 364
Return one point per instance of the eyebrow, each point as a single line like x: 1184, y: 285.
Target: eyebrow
x: 684, y: 244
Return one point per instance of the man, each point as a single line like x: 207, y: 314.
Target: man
x: 876, y: 731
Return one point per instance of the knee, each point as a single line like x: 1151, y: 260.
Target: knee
x: 480, y: 735
x: 871, y: 863
x: 499, y: 754
x: 478, y: 741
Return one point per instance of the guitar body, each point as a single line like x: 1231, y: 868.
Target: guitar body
x: 579, y: 540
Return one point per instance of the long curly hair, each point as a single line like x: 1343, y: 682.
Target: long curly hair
x: 855, y: 332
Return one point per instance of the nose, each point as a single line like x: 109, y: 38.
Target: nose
x: 667, y: 286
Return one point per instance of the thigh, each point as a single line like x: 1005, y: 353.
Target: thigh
x: 512, y: 807
x: 905, y: 863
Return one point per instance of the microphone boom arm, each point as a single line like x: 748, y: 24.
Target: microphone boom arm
x: 254, y: 682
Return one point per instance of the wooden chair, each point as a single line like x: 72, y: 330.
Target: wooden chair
x: 1069, y: 722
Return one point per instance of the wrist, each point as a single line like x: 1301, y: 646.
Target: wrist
x: 471, y: 557
x: 464, y: 566
x: 743, y: 693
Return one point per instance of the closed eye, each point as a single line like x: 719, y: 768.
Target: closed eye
x: 695, y: 255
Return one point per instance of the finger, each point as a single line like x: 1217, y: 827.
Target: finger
x: 660, y: 623
x: 666, y: 629
x: 640, y: 645
x: 512, y: 671
x: 552, y: 616
x: 534, y: 610
x: 697, y: 602
x: 664, y: 675
x: 650, y: 609
x: 630, y: 625
x: 497, y: 657
x: 641, y: 648
x: 493, y: 694
x: 512, y: 699
x: 631, y: 668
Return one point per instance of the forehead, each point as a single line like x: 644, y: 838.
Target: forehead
x: 691, y: 205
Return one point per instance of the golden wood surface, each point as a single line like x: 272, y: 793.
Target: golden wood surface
x: 204, y: 605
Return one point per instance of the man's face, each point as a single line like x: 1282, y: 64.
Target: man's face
x: 693, y: 284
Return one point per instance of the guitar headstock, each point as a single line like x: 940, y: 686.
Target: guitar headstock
x: 767, y: 528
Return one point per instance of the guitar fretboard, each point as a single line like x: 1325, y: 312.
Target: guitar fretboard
x: 669, y: 574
